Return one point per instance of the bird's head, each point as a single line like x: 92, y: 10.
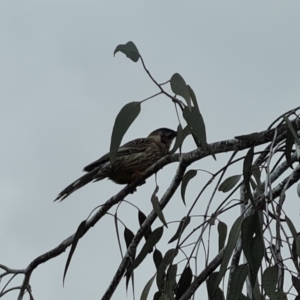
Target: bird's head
x: 163, y: 135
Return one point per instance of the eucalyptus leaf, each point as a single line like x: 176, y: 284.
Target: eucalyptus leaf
x: 124, y: 119
x: 179, y: 87
x: 130, y: 50
x: 229, y: 183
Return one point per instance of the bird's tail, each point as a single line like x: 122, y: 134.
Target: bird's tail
x: 80, y: 182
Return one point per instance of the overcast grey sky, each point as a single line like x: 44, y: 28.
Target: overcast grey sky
x: 61, y: 89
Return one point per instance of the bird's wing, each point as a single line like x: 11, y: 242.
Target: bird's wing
x: 134, y: 146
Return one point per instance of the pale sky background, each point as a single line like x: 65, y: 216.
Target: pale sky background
x: 61, y: 89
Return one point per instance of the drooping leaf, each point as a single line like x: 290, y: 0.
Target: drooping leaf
x: 193, y: 97
x: 184, y: 282
x: 247, y: 167
x: 256, y: 174
x: 147, y: 288
x: 222, y: 229
x: 182, y: 225
x: 297, y: 241
x: 168, y: 258
x: 291, y: 226
x: 124, y: 119
x: 130, y: 50
x: 171, y: 281
x: 214, y: 292
x: 157, y: 209
x: 79, y: 233
x: 179, y: 87
x: 229, y: 183
x: 196, y: 125
x: 150, y: 243
x: 257, y: 254
x: 291, y: 129
x: 238, y: 278
x: 269, y: 281
x: 289, y: 142
x: 256, y: 291
x: 186, y: 178
x: 157, y: 258
x: 233, y: 236
x: 294, y: 250
x: 128, y: 236
x: 179, y: 139
x: 252, y: 243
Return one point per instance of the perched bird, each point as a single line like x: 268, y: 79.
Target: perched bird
x: 131, y: 159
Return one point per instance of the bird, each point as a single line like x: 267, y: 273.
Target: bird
x: 130, y: 161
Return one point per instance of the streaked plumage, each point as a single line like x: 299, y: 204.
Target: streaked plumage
x: 131, y: 159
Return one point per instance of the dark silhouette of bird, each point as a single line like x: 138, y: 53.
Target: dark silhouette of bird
x: 131, y: 160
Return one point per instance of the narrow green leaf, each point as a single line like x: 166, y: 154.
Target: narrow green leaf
x: 128, y: 236
x: 124, y: 119
x: 257, y: 254
x: 179, y: 87
x: 269, y: 281
x: 214, y: 293
x: 182, y: 225
x: 252, y: 243
x: 229, y: 183
x: 185, y: 180
x: 130, y: 50
x: 238, y: 278
x: 179, y: 139
x: 256, y: 174
x: 296, y: 284
x: 171, y: 281
x: 233, y: 236
x: 184, y: 282
x: 168, y: 258
x: 158, y: 295
x: 147, y: 288
x: 291, y: 226
x: 157, y: 209
x: 222, y: 229
x: 157, y: 258
x: 297, y: 241
x: 193, y: 97
x: 294, y: 250
x: 196, y: 125
x: 79, y: 233
x: 150, y: 243
x: 289, y: 142
x: 256, y: 292
x: 247, y: 167
x: 291, y: 129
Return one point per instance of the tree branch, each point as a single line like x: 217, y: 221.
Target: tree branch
x: 186, y: 159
